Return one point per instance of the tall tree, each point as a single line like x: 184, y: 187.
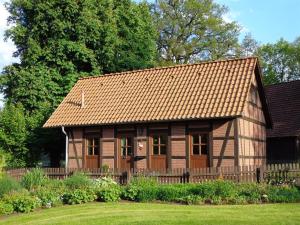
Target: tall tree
x: 280, y: 61
x: 249, y: 46
x: 59, y: 41
x: 192, y: 30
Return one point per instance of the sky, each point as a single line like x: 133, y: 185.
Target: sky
x: 266, y: 20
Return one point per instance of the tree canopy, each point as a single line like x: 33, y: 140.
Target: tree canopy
x: 280, y: 61
x: 193, y: 30
x: 59, y: 41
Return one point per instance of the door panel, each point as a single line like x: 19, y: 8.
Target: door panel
x: 199, y: 161
x: 92, y: 152
x: 158, y: 162
x: 126, y: 149
x: 92, y: 161
x: 159, y: 150
x: 199, y: 150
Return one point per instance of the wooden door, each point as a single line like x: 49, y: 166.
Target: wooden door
x: 126, y: 156
x: 199, y: 150
x: 159, y: 152
x: 92, y: 152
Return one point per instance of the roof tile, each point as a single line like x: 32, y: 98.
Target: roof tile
x: 196, y: 91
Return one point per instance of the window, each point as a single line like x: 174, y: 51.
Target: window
x: 126, y: 146
x: 159, y: 145
x: 254, y: 95
x: 199, y: 144
x: 92, y: 145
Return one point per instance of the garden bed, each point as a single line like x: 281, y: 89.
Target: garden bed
x: 36, y: 191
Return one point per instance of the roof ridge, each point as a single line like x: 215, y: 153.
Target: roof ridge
x: 168, y: 67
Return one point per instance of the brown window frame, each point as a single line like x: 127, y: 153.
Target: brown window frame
x: 200, y: 144
x: 126, y: 136
x: 159, y: 145
x: 93, y: 137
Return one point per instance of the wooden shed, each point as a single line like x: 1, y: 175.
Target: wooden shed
x: 283, y: 141
x: 210, y: 114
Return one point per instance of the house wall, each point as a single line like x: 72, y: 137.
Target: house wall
x: 252, y: 131
x: 221, y: 133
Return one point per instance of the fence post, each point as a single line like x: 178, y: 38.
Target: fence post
x: 187, y: 175
x: 258, y: 177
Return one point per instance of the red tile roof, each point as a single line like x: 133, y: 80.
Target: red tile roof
x: 215, y: 89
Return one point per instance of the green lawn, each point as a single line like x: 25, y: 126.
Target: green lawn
x: 143, y: 213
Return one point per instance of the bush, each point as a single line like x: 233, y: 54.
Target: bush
x: 216, y: 191
x: 6, y: 208
x: 282, y: 194
x: 109, y: 194
x: 191, y: 200
x: 250, y: 192
x: 141, y: 189
x: 48, y: 197
x: 79, y: 196
x: 34, y: 179
x: 104, y: 182
x: 172, y: 192
x: 22, y: 202
x: 8, y: 184
x: 78, y: 181
x: 57, y: 186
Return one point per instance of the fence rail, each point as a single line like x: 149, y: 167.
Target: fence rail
x: 269, y: 173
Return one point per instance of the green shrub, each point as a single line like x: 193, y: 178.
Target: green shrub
x: 22, y: 202
x: 104, y: 182
x: 6, y: 208
x: 109, y: 194
x: 191, y: 200
x: 34, y: 179
x: 57, y: 186
x: 250, y: 192
x: 142, y: 189
x: 8, y: 184
x: 79, y: 196
x: 78, y: 181
x: 172, y: 192
x: 282, y: 194
x: 48, y: 197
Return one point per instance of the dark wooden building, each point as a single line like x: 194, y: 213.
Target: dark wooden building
x: 186, y: 116
x: 283, y: 140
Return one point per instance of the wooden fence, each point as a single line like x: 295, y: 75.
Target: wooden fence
x: 271, y: 173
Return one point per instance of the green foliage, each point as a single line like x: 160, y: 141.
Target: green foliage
x: 104, y: 182
x: 190, y: 200
x: 193, y: 30
x: 79, y: 196
x: 282, y: 194
x: 77, y: 181
x: 34, y: 179
x: 2, y: 163
x: 59, y: 41
x: 6, y: 208
x: 109, y: 194
x: 8, y: 184
x: 171, y: 193
x: 13, y: 135
x: 48, y: 197
x: 22, y: 202
x: 280, y: 61
x: 141, y: 189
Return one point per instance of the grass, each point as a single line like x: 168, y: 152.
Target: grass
x: 149, y: 214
